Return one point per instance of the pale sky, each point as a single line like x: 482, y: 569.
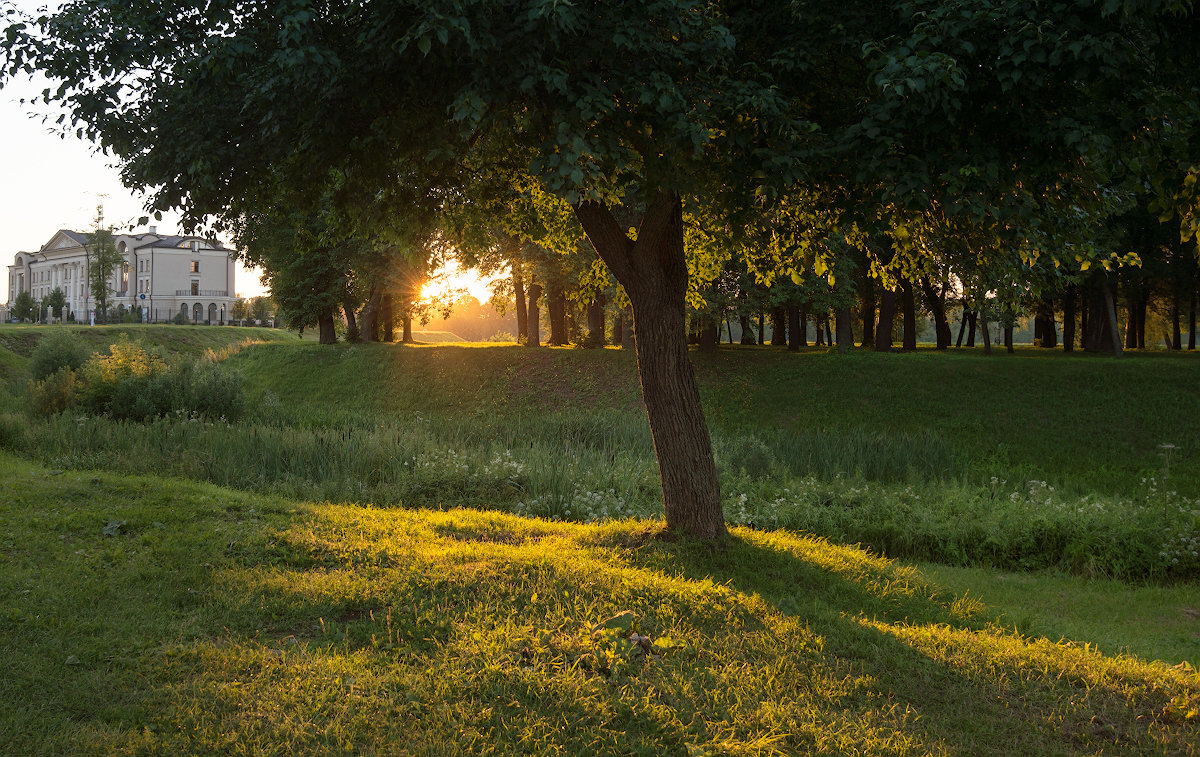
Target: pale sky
x: 49, y: 183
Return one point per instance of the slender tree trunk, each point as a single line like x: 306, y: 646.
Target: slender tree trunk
x: 388, y: 316
x: 325, y: 326
x: 595, y: 322
x: 519, y: 295
x: 887, y: 314
x: 618, y: 333
x: 533, y: 315
x: 962, y: 327
x: 653, y: 271
x: 972, y: 325
x: 1143, y: 302
x: 778, y: 327
x: 1008, y: 337
x: 793, y: 316
x: 1112, y: 319
x: 1131, y: 322
x: 845, y: 330
x: 828, y: 330
x: 908, y: 307
x: 1045, y: 331
x: 987, y: 334
x: 556, y: 305
x: 867, y: 312
x: 1192, y: 321
x: 820, y: 332
x: 1176, y: 336
x: 804, y: 325
x: 1068, y: 340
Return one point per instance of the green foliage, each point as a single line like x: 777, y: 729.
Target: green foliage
x: 103, y: 258
x: 55, y: 393
x: 22, y: 306
x: 58, y: 350
x: 56, y: 301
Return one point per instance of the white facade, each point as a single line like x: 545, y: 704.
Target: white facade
x: 164, y: 275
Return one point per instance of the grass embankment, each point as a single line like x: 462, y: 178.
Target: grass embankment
x: 157, y: 616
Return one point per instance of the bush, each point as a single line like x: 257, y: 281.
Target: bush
x: 214, y: 392
x: 57, y: 392
x: 56, y: 351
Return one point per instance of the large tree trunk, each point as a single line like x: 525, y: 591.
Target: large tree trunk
x: 1099, y: 334
x: 406, y: 335
x: 887, y: 314
x: 803, y: 325
x: 794, y: 329
x: 1045, y: 332
x: 1111, y: 308
x: 556, y: 305
x: 653, y: 271
x: 987, y: 333
x: 387, y: 316
x: 519, y: 297
x: 328, y: 335
x: 708, y: 332
x: 618, y: 332
x: 369, y: 318
x: 534, y: 316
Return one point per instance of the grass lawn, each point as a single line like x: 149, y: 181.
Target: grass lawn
x: 156, y: 616
x: 310, y: 579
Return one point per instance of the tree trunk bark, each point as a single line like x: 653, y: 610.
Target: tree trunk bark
x: 534, y: 316
x: 519, y: 296
x: 887, y: 314
x: 1112, y: 320
x: 1176, y: 336
x: 708, y: 333
x: 962, y: 327
x: 595, y: 322
x: 328, y: 335
x: 406, y: 329
x: 1068, y: 340
x: 747, y: 334
x: 387, y: 315
x: 1142, y: 304
x: 793, y: 316
x: 1192, y: 322
x: 556, y: 305
x: 369, y: 318
x: 653, y: 271
x: 937, y: 308
x: 845, y: 331
x: 867, y: 312
x: 987, y: 334
x: 972, y: 325
x: 352, y: 332
x: 1045, y: 331
x: 803, y: 325
x: 778, y: 327
x: 618, y: 332
x: 908, y: 306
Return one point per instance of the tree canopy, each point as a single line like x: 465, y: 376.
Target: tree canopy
x: 961, y: 127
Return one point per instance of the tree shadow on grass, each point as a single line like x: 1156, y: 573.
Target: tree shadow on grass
x: 971, y: 687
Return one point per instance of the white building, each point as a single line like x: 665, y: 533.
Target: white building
x: 164, y: 275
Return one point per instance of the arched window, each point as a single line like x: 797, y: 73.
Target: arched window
x: 197, y: 312
x: 183, y: 310
x: 212, y: 312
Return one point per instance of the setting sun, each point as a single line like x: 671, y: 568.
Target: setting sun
x: 452, y: 282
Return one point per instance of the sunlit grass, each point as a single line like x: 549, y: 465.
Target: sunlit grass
x: 156, y: 616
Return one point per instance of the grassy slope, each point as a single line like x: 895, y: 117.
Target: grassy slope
x: 1089, y: 423
x: 213, y: 621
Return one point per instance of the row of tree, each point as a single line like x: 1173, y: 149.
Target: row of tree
x: 1001, y: 150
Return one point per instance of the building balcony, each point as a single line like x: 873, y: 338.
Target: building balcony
x: 202, y: 293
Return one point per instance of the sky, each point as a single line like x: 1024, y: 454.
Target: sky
x: 49, y: 183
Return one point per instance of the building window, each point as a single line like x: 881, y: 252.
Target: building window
x: 195, y: 288
x: 195, y: 266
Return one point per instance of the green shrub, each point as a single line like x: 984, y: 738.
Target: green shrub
x: 57, y: 392
x: 212, y: 391
x: 58, y: 350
